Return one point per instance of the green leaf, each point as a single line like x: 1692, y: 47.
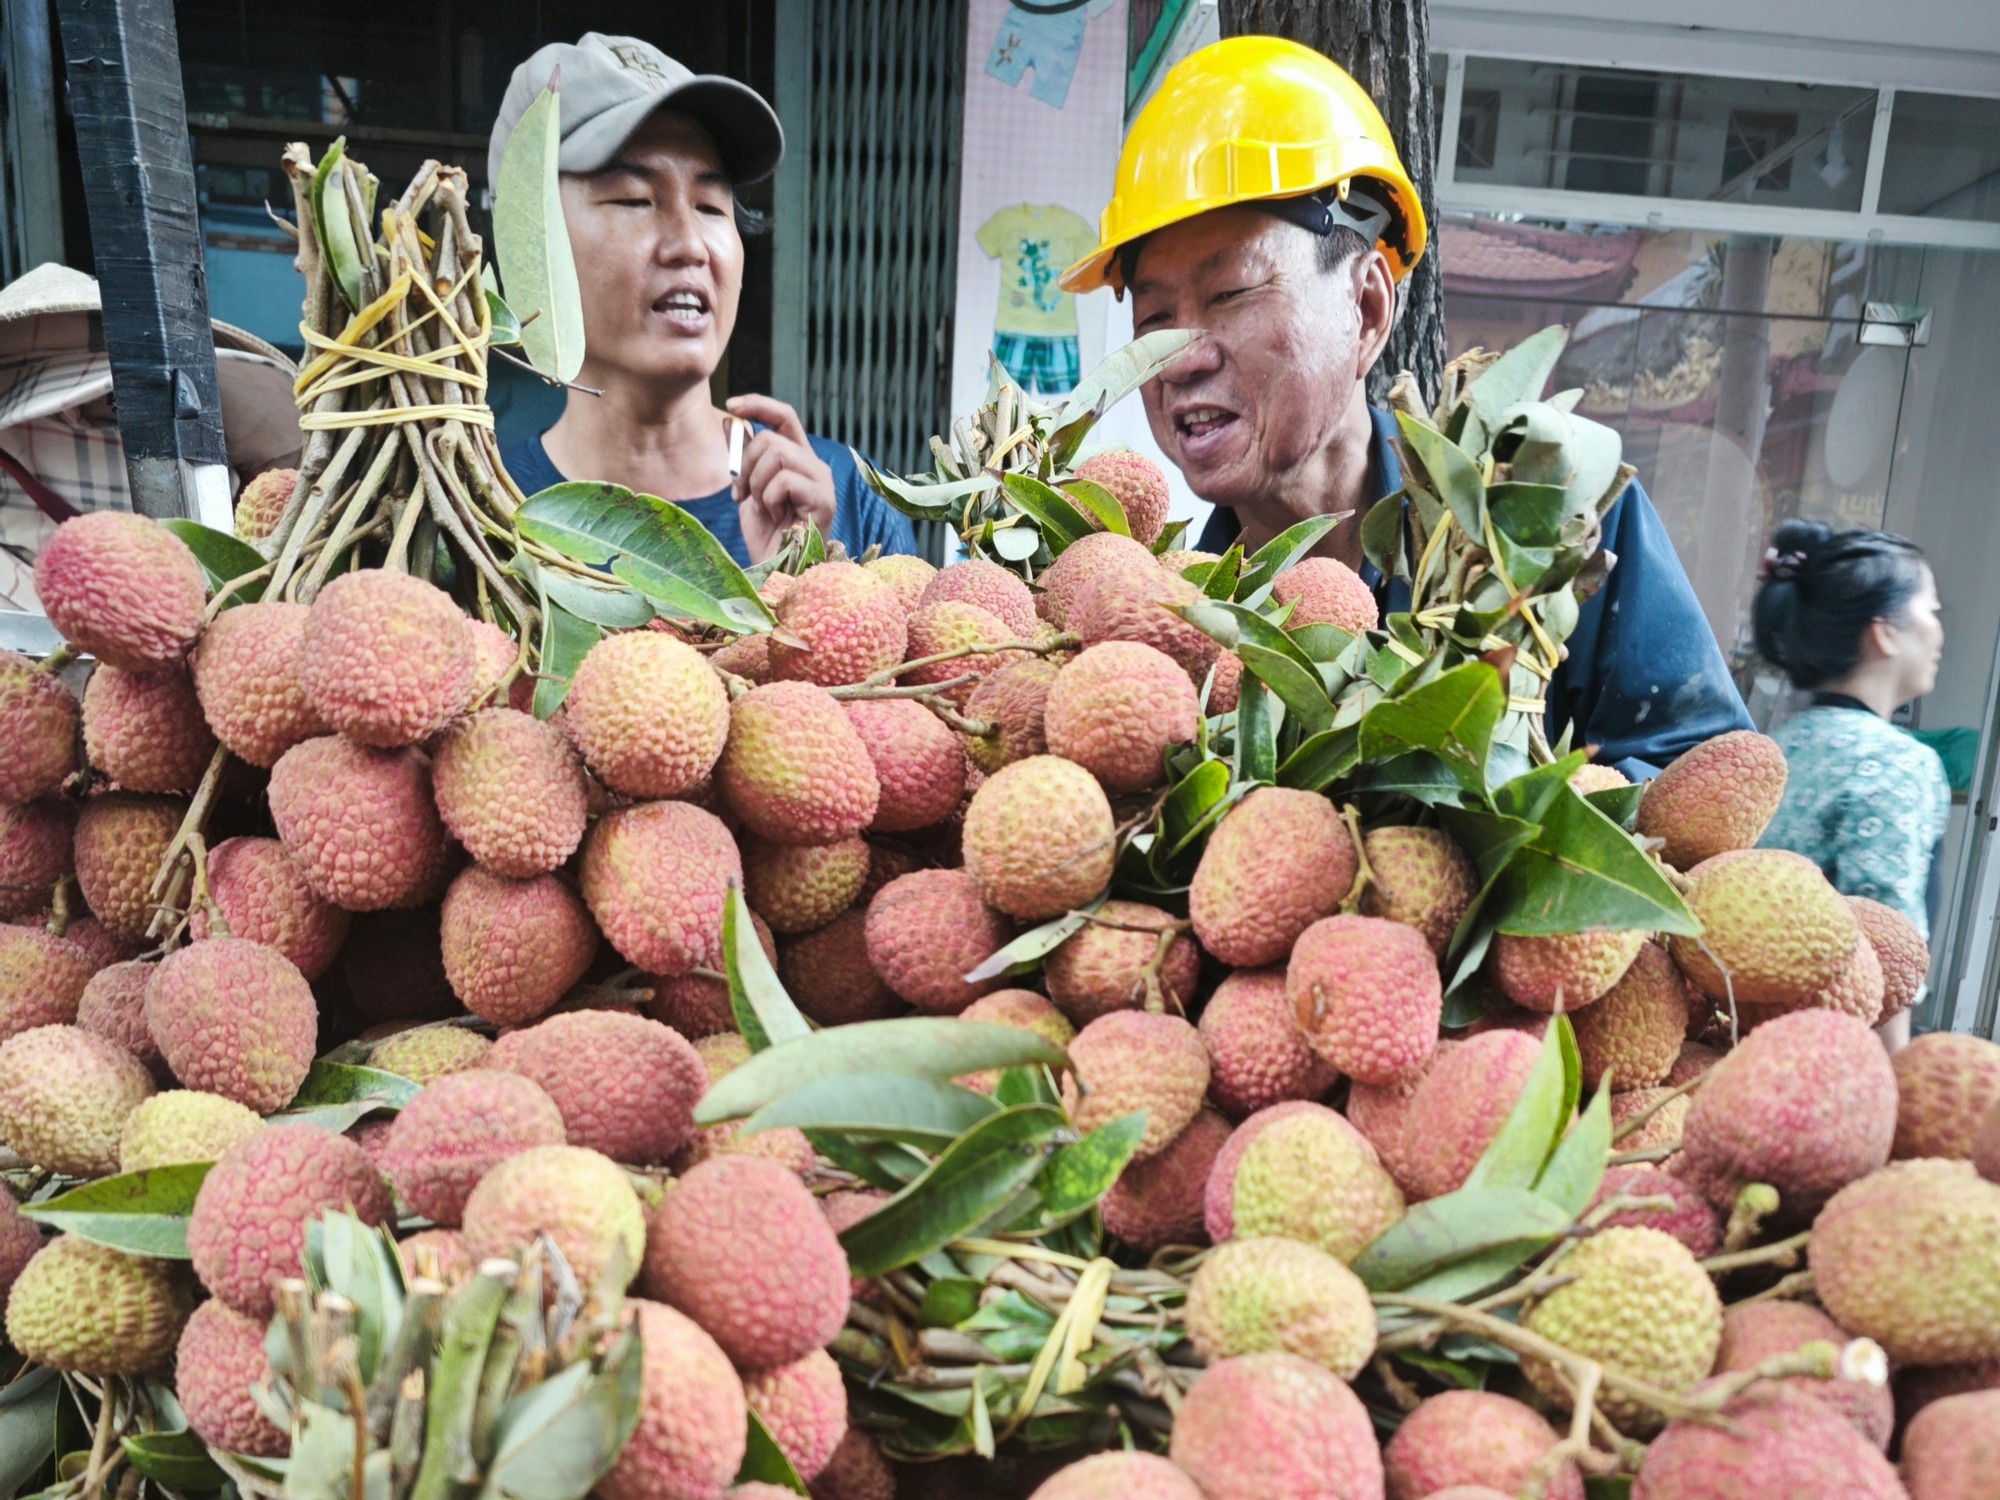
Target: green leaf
x: 141, y: 1213
x: 331, y: 1086
x: 1256, y: 734
x: 566, y: 641
x: 27, y: 1425
x: 1576, y: 1168
x: 178, y: 1461
x: 1217, y: 580
x: 972, y: 1178
x: 1439, y: 1231
x: 1278, y: 554
x: 1515, y: 377
x: 1618, y: 803
x: 1516, y: 1155
x: 1581, y: 870
x: 926, y: 502
x: 1116, y: 376
x: 1382, y: 537
x: 764, y: 1013
x: 887, y: 1166
x: 1321, y: 760
x: 1028, y: 950
x: 506, y: 327
x: 1560, y: 448
x: 531, y: 241
x: 556, y: 1440
x: 1193, y: 804
x: 921, y: 1046
x: 613, y: 608
x: 334, y: 220
x: 1607, y: 1487
x: 1453, y: 716
x: 653, y: 545
x: 322, y: 1459
x: 222, y: 557
x: 1095, y: 500
x: 1049, y: 508
x: 897, y: 1106
x: 1270, y: 655
x: 1077, y: 1176
x: 1026, y: 1086
x: 1451, y: 471
x: 359, y: 1262
x: 1170, y: 536
x: 950, y: 1300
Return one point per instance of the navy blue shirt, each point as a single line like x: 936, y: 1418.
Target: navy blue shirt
x: 861, y: 518
x: 1639, y: 707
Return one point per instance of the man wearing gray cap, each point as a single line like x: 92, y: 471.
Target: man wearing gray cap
x: 651, y: 158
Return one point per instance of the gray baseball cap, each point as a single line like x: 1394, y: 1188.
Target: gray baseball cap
x: 610, y: 84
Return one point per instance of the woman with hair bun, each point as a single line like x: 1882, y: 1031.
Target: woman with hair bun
x: 1851, y: 617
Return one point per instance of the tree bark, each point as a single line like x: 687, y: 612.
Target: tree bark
x: 1385, y: 46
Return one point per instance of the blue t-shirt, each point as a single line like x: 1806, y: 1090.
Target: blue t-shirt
x: 861, y: 518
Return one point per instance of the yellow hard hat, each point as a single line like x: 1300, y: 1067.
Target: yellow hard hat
x: 1250, y: 118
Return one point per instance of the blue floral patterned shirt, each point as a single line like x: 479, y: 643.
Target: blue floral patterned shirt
x: 1865, y: 802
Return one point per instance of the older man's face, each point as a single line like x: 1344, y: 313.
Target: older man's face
x: 1287, y: 344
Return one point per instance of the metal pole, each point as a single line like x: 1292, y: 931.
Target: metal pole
x: 29, y: 58
x: 131, y: 130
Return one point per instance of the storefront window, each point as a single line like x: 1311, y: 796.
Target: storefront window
x: 1943, y: 160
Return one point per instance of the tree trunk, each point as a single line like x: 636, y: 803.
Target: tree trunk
x: 1385, y: 45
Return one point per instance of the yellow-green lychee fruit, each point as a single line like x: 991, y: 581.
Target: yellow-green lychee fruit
x: 424, y: 1054
x: 1772, y: 1440
x: 263, y: 895
x: 1753, y: 1332
x: 87, y: 1309
x: 799, y: 887
x: 1946, y: 1085
x: 1479, y: 1438
x: 1904, y: 955
x: 64, y: 1096
x: 924, y: 932
x: 692, y: 1426
x: 795, y: 770
x: 1076, y: 570
x: 511, y: 789
x: 838, y: 624
x: 260, y: 506
x: 1039, y: 838
x: 648, y: 713
x: 1306, y: 1179
x: 42, y: 979
x: 1951, y: 1449
x: 234, y: 1018
x: 385, y: 657
x: 40, y: 720
x: 990, y: 587
x: 1180, y: 559
x: 1014, y: 701
x: 1263, y: 1425
x: 655, y: 877
x: 1367, y: 995
x: 1910, y: 1257
x: 580, y: 1198
x: 121, y: 838
x: 1134, y: 1060
x: 361, y: 823
x: 1253, y: 1295
x: 219, y: 1359
x: 1219, y: 1193
x: 1159, y: 1200
x: 37, y: 849
x: 1278, y: 861
x: 905, y: 572
x: 919, y: 763
x: 1110, y: 964
x: 1025, y: 1011
x: 1117, y: 709
x: 1328, y: 592
x: 1138, y: 604
x: 626, y: 1085
x: 804, y: 1406
x: 246, y: 677
x: 1640, y: 1304
x: 458, y: 1129
x: 953, y: 625
x: 1719, y: 796
x: 1598, y: 778
x: 513, y: 948
x: 1465, y: 1095
x: 145, y: 730
x: 1635, y: 1032
x: 1119, y: 1474
x: 1257, y: 1054
x: 122, y: 588
x: 1137, y: 484
x: 1774, y: 931
x: 182, y: 1125
x: 1563, y: 971
x: 1420, y: 877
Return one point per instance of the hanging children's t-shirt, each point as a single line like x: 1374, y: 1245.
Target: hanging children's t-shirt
x: 1044, y: 42
x: 1034, y: 326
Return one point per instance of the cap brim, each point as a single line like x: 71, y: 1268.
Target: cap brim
x: 747, y: 134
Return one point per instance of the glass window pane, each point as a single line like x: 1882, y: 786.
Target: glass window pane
x: 1664, y: 135
x: 1943, y: 160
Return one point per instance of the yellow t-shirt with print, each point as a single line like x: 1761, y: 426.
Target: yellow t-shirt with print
x: 1035, y: 243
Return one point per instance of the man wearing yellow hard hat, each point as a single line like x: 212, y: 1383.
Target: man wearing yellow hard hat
x: 1260, y: 199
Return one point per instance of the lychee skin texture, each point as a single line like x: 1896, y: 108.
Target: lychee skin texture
x: 1779, y: 931
x: 1219, y: 1194
x: 122, y: 588
x: 264, y: 896
x: 1719, y: 796
x: 926, y: 930
x: 648, y: 714
x: 1635, y: 1032
x: 919, y: 762
x: 513, y: 948
x: 494, y: 655
x: 1904, y: 955
x: 260, y: 506
x: 741, y: 1247
x: 37, y: 848
x: 1257, y: 1054
x: 828, y: 973
x: 1139, y: 487
x: 1264, y: 1425
x: 1104, y: 968
x: 1640, y: 1304
x: 145, y: 730
x: 1692, y: 1220
x: 1946, y: 1085
x: 954, y: 625
x: 692, y: 1424
x: 120, y: 840
x: 1367, y: 995
x: 1986, y: 1146
x: 1039, y: 838
x: 908, y: 575
x: 1328, y: 593
x: 580, y: 1198
x: 1133, y: 1060
x: 851, y: 621
x: 248, y: 1227
x: 457, y: 1129
x: 221, y: 1355
x: 1277, y: 862
x: 1015, y: 701
x: 795, y: 769
x: 1074, y: 573
x: 1317, y: 1182
x: 1753, y: 1332
x: 697, y: 1006
x: 1951, y: 1450
x: 1464, y: 1097
x: 804, y: 1404
x: 1566, y: 971
x: 234, y: 1018
x: 91, y: 1310
x: 64, y: 1097
x: 655, y: 877
x: 800, y: 887
x: 20, y: 1238
x: 247, y: 680
x: 1910, y: 1257
x: 385, y: 658
x: 626, y: 1086
x: 424, y: 1054
x: 1806, y: 1102
x: 1135, y: 604
x: 1664, y: 1126
x: 1251, y: 1296
x: 1420, y: 877
x: 1158, y: 1201
x: 511, y: 789
x: 1116, y: 1475
x: 42, y: 979
x: 1117, y: 709
x: 990, y: 587
x: 1778, y: 1444
x: 1472, y: 1438
x: 182, y: 1125
x: 360, y: 823
x: 39, y: 723
x: 114, y: 1007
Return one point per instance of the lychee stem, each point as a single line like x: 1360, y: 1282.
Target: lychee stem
x: 1656, y: 1106
x: 1063, y: 642
x: 165, y: 892
x: 57, y: 659
x: 1778, y: 1253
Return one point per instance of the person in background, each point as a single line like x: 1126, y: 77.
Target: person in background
x: 651, y: 158
x: 1852, y: 618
